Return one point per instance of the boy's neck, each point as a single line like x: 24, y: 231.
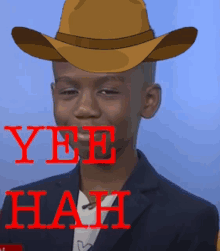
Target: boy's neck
x: 94, y: 177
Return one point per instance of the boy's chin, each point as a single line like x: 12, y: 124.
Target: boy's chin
x: 84, y: 154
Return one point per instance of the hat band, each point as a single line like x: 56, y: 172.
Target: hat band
x: 105, y: 44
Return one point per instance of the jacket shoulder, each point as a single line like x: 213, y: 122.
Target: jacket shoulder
x: 180, y: 198
x: 44, y: 183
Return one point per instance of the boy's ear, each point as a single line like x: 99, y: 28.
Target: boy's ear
x: 52, y: 87
x: 152, y: 101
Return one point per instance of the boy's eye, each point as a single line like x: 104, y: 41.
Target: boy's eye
x: 71, y: 92
x: 109, y: 91
x: 68, y: 92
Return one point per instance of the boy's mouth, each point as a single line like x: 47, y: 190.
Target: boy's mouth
x: 85, y: 136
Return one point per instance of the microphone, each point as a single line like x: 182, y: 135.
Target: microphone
x: 88, y: 205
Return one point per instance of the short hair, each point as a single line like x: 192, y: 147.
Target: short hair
x: 148, y: 69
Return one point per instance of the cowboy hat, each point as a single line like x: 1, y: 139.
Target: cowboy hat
x: 104, y: 36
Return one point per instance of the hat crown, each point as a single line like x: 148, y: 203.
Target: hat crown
x: 104, y: 19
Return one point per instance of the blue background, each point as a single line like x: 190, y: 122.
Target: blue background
x: 182, y: 141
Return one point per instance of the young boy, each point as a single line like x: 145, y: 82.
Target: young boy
x: 104, y: 58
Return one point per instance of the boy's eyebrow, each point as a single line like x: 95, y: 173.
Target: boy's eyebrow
x: 98, y: 81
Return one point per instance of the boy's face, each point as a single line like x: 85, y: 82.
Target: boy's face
x: 100, y: 99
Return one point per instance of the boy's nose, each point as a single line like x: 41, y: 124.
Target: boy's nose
x: 86, y: 107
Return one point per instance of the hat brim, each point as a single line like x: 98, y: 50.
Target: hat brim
x: 94, y: 60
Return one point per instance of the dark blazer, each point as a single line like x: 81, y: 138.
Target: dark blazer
x: 161, y: 214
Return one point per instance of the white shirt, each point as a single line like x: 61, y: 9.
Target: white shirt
x: 85, y: 238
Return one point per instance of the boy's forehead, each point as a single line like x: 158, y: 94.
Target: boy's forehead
x: 67, y: 71
x: 94, y: 81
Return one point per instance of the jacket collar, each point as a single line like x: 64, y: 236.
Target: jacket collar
x: 142, y: 180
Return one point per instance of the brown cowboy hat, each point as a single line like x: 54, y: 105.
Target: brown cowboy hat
x: 104, y: 36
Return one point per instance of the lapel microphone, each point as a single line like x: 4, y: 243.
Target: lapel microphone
x: 88, y: 205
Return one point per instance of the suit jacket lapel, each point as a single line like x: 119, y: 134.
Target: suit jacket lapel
x: 142, y: 179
